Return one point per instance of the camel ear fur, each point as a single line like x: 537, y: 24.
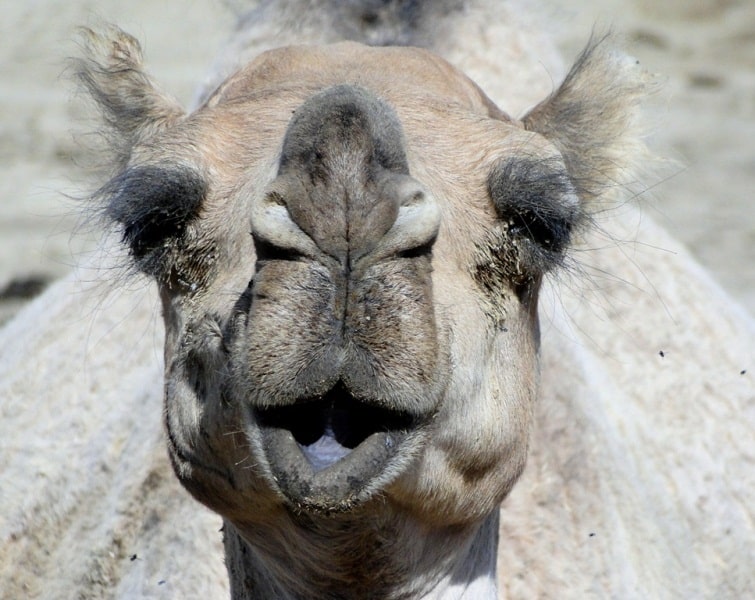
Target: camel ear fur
x: 592, y: 119
x: 132, y: 106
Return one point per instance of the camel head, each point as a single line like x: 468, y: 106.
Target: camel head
x: 348, y: 243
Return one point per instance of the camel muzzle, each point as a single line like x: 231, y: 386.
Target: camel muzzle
x: 328, y: 453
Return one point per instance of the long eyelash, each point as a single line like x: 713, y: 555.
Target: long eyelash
x: 154, y: 205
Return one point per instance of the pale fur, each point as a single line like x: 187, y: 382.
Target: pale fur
x: 638, y: 477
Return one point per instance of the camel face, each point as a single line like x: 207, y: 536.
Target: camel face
x: 342, y: 287
x: 349, y: 243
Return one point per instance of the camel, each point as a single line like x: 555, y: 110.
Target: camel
x: 364, y: 264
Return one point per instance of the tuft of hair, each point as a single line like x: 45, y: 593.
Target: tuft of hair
x: 592, y: 118
x: 132, y: 107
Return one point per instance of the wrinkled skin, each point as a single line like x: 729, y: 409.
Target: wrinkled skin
x: 349, y: 266
x: 353, y: 280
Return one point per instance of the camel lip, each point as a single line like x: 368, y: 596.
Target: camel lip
x: 336, y: 416
x: 330, y: 453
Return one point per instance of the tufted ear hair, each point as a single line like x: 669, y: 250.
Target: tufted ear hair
x: 132, y: 106
x: 592, y: 119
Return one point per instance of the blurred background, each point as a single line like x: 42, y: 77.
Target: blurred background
x: 703, y: 119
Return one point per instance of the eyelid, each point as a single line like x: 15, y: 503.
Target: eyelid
x: 537, y: 200
x: 155, y: 206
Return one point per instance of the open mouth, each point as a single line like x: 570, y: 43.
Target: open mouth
x: 327, y: 429
x: 327, y: 452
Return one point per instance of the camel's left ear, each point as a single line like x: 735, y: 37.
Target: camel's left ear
x: 132, y: 106
x: 592, y: 119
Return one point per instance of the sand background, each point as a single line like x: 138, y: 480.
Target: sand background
x: 703, y: 119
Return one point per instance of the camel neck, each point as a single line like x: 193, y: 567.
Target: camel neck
x: 360, y: 556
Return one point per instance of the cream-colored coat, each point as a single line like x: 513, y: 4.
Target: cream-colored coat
x: 638, y: 482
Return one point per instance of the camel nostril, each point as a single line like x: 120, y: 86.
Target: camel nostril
x: 418, y: 251
x: 265, y: 252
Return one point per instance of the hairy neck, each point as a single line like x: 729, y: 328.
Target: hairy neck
x: 365, y: 555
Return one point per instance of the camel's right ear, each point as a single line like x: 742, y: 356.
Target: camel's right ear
x: 132, y: 106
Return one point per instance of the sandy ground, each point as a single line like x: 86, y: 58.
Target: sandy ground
x: 704, y: 119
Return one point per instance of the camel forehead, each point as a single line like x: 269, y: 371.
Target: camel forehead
x: 386, y: 70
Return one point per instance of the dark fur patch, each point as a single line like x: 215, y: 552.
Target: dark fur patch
x: 538, y: 212
x: 154, y: 205
x: 535, y: 198
x: 343, y: 148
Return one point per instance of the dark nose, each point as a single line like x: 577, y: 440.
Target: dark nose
x: 342, y: 290
x: 345, y: 148
x: 343, y: 195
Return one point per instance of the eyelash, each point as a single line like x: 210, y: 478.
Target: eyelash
x: 550, y: 232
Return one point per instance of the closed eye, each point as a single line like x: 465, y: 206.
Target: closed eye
x: 536, y: 200
x: 155, y: 206
x: 549, y: 231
